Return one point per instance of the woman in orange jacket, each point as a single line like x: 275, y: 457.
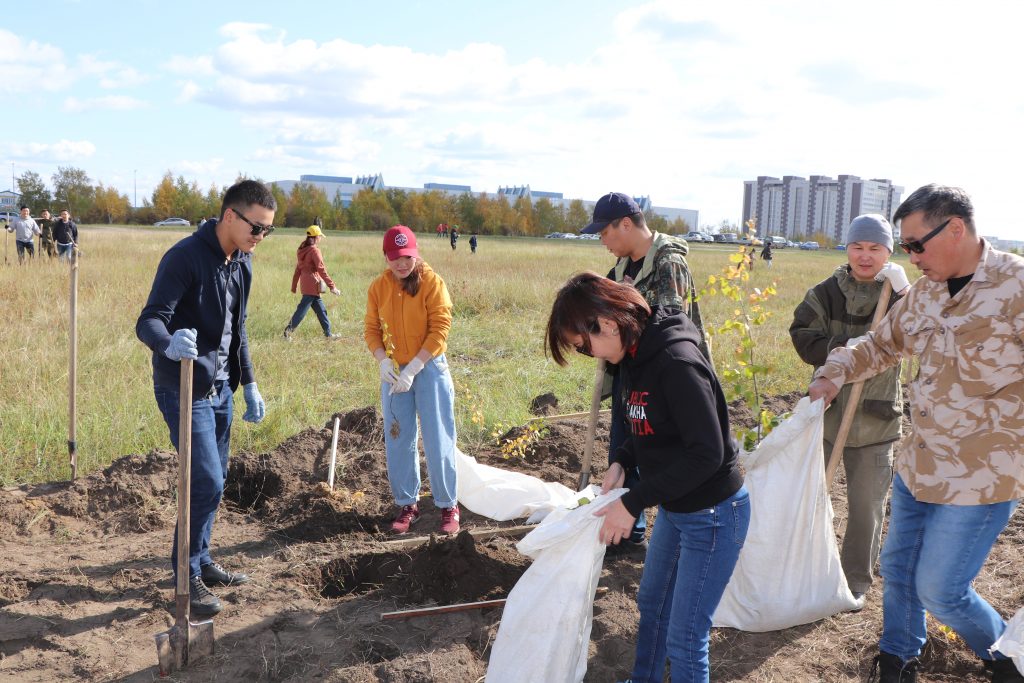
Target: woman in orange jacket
x: 311, y: 275
x: 408, y: 315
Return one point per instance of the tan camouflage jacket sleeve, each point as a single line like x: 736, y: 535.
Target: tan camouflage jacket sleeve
x: 967, y: 398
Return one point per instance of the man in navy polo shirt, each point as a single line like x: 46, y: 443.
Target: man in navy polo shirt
x: 197, y: 309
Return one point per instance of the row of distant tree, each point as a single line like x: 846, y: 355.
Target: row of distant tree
x: 486, y: 214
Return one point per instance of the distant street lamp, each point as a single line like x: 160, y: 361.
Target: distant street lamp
x: 135, y: 184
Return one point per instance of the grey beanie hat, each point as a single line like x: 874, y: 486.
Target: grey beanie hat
x: 871, y: 227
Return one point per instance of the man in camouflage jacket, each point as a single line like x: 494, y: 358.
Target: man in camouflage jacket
x: 655, y: 264
x: 960, y: 471
x: 834, y: 311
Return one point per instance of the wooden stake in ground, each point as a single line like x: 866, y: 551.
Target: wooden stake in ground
x: 855, y: 392
x: 595, y: 408
x: 184, y: 642
x: 73, y: 370
x: 334, y: 455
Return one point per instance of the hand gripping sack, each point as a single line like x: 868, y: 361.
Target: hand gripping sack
x: 502, y: 495
x: 789, y: 570
x: 1011, y: 643
x: 544, y: 634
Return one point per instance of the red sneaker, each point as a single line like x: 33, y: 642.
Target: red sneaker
x: 450, y: 520
x: 408, y: 516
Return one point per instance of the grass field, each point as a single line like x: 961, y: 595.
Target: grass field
x: 501, y: 294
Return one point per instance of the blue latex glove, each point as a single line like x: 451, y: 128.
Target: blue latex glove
x: 183, y: 345
x: 255, y: 408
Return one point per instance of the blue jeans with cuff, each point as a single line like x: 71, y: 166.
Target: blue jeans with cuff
x: 689, y: 562
x: 211, y: 440
x: 932, y: 554
x: 432, y: 396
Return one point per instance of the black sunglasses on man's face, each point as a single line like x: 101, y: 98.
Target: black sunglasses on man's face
x: 917, y: 246
x: 257, y: 228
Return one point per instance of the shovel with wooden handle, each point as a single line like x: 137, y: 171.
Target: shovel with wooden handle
x: 595, y: 409
x: 184, y: 642
x: 854, y: 402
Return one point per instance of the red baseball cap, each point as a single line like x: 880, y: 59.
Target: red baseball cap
x: 400, y: 241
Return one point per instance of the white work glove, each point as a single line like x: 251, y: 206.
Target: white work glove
x: 388, y: 373
x: 255, y: 407
x: 335, y: 291
x: 183, y: 345
x: 894, y: 273
x: 404, y: 382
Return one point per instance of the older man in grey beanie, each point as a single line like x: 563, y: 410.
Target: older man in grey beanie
x: 834, y: 311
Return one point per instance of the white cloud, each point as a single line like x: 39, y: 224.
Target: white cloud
x: 61, y: 151
x: 28, y: 65
x: 109, y: 102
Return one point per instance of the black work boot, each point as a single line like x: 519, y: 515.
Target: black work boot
x: 202, y: 602
x: 1003, y: 671
x: 215, y: 575
x: 889, y: 668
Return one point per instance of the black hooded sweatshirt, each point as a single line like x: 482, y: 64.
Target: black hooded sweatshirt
x: 678, y: 419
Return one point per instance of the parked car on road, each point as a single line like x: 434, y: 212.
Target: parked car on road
x: 840, y: 247
x: 173, y: 221
x: 810, y: 245
x: 694, y: 237
x: 778, y: 241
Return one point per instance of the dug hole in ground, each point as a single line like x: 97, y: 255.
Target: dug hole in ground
x: 85, y: 577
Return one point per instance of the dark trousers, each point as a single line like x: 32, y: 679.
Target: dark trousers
x: 314, y: 301
x: 211, y: 439
x: 30, y: 247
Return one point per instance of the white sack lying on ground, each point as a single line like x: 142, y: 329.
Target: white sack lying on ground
x: 1011, y: 643
x: 544, y: 634
x: 502, y: 494
x: 789, y: 571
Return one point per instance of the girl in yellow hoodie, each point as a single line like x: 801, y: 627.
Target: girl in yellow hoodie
x: 408, y: 315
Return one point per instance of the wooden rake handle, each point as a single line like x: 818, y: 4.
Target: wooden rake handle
x: 595, y: 408
x: 854, y: 403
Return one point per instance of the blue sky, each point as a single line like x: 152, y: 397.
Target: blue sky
x: 681, y: 101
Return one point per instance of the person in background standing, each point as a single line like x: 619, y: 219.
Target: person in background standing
x: 472, y: 242
x: 46, y: 234
x: 766, y: 254
x: 454, y: 236
x: 65, y: 234
x: 25, y: 230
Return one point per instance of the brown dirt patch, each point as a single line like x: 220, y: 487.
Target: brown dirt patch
x: 85, y: 583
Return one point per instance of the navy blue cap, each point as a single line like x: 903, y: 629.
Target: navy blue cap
x: 611, y: 207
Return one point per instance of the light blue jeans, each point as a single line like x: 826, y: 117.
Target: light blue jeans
x: 689, y: 562
x: 931, y: 555
x: 433, y: 397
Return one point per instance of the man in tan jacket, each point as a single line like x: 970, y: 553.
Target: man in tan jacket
x: 960, y: 471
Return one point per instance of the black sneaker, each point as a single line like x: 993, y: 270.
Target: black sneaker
x: 1003, y: 671
x: 215, y: 575
x: 889, y: 668
x: 288, y: 332
x: 202, y: 602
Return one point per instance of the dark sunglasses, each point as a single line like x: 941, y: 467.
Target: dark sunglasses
x: 593, y: 327
x: 256, y: 227
x: 917, y: 246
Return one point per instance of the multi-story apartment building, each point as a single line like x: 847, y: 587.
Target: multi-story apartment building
x: 819, y: 204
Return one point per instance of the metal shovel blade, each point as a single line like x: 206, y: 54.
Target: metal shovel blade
x: 175, y: 648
